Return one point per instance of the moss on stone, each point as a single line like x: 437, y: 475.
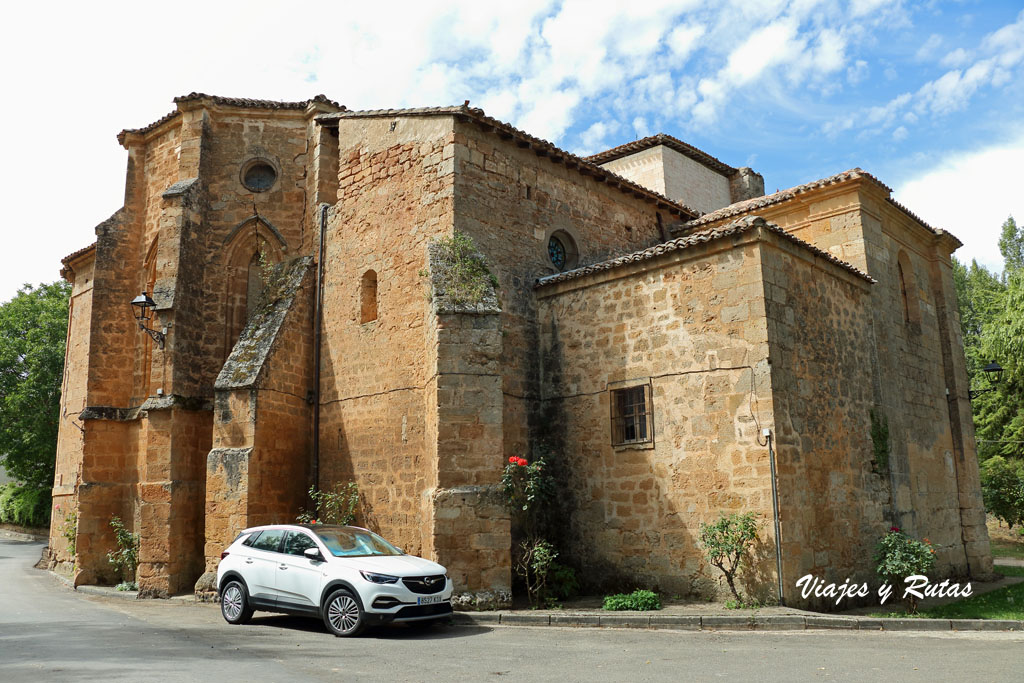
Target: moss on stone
x: 459, y: 277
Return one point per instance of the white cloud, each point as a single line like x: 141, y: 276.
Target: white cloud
x: 953, y: 90
x: 552, y: 67
x: 594, y: 138
x: 900, y: 134
x: 971, y: 194
x: 956, y: 58
x: 858, y: 72
x: 929, y: 48
x: 682, y: 40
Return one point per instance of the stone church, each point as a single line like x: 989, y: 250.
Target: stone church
x: 668, y: 330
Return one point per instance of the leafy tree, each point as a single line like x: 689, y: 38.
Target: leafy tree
x: 898, y: 556
x: 1002, y: 486
x: 1011, y: 245
x: 33, y: 327
x: 992, y: 322
x: 727, y: 542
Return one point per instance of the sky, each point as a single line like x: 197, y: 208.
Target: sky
x: 927, y: 96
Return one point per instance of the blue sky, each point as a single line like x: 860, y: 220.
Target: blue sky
x: 928, y: 96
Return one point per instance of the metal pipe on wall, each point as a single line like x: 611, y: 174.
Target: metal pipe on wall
x: 317, y: 326
x: 775, y: 511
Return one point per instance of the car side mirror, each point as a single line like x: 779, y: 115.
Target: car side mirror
x: 313, y: 554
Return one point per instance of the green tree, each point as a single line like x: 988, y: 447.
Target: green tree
x: 33, y: 328
x: 1011, y: 245
x: 992, y: 322
x: 727, y: 543
x: 1002, y: 486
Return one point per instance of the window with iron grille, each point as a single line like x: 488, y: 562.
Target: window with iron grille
x: 631, y: 415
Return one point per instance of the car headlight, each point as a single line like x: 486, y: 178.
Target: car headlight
x: 379, y: 578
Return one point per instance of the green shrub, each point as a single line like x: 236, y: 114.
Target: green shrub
x: 533, y: 563
x: 1002, y: 488
x: 461, y: 275
x: 637, y: 601
x: 564, y: 582
x: 333, y: 507
x: 727, y: 542
x: 126, y: 558
x: 898, y: 556
x: 879, y: 442
x: 24, y: 505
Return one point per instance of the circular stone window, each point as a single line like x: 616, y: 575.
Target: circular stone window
x: 562, y: 250
x: 258, y: 176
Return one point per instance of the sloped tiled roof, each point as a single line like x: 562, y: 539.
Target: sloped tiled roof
x: 75, y: 254
x: 524, y: 139
x: 229, y: 102
x: 66, y: 272
x: 670, y: 142
x: 734, y: 228
x: 757, y: 203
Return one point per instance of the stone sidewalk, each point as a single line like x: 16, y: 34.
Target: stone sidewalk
x: 686, y: 617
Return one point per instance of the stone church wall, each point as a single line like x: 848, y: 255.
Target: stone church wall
x: 916, y: 357
x: 510, y: 201
x: 692, y: 326
x: 834, y: 504
x: 395, y: 194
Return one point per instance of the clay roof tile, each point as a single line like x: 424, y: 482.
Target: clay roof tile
x: 228, y: 102
x: 734, y: 228
x: 524, y: 139
x: 668, y: 141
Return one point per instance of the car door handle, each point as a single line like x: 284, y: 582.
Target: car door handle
x: 248, y: 560
x: 282, y: 566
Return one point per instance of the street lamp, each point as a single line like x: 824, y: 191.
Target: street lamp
x: 994, y: 372
x: 142, y: 307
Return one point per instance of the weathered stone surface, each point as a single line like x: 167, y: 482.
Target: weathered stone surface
x: 422, y: 403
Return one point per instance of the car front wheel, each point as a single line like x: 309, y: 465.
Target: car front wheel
x: 343, y: 615
x: 234, y: 603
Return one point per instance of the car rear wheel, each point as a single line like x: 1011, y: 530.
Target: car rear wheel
x: 343, y: 614
x: 234, y: 603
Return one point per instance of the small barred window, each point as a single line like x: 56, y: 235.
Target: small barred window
x: 631, y: 415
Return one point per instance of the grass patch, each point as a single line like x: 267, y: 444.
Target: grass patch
x: 1008, y: 549
x: 1005, y: 603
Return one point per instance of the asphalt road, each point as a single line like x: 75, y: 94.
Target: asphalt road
x: 50, y: 633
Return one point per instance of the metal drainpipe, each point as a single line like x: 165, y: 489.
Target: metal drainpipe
x: 775, y: 511
x: 316, y: 346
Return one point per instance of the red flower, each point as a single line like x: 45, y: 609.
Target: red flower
x: 895, y: 529
x: 513, y: 459
x: 521, y: 462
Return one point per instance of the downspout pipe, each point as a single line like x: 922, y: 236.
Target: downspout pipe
x: 317, y: 328
x: 775, y: 512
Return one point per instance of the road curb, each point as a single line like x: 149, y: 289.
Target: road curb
x: 19, y: 536
x: 672, y: 622
x: 726, y: 622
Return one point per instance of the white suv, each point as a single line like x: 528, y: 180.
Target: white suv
x: 350, y: 577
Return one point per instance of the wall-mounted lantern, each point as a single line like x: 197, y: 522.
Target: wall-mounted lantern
x: 993, y: 373
x: 142, y: 307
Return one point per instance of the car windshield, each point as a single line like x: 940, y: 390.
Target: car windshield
x: 344, y: 541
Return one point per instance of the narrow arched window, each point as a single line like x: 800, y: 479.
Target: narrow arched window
x: 253, y: 285
x: 908, y: 289
x: 368, y: 297
x: 903, y: 294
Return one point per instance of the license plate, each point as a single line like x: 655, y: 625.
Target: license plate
x: 429, y: 600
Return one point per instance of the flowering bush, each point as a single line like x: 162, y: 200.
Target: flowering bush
x: 898, y: 556
x: 528, y: 487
